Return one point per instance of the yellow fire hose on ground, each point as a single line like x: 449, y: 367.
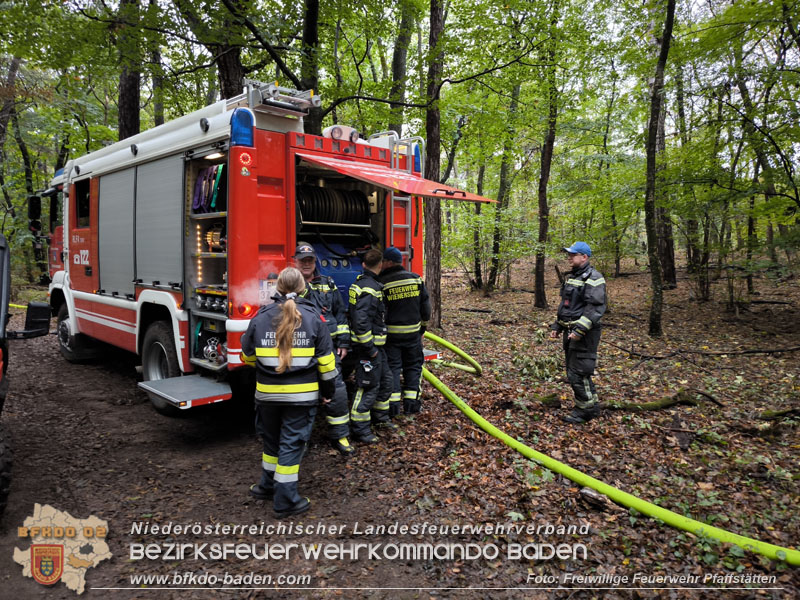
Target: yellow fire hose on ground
x: 697, y: 528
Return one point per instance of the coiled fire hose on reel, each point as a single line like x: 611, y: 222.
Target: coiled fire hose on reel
x: 673, y: 519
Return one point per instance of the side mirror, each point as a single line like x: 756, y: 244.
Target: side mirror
x: 37, y: 322
x: 34, y: 208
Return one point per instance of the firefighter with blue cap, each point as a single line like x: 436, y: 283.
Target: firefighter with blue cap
x: 583, y: 303
x: 408, y: 309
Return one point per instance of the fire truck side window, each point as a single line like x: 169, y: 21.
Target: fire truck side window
x: 82, y: 203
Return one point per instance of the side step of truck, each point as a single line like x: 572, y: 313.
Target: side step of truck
x: 188, y: 391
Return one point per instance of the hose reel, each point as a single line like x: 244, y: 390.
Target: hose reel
x: 328, y: 205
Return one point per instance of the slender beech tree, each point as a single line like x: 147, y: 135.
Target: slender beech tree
x: 540, y: 294
x: 433, y: 208
x: 129, y: 77
x: 656, y: 93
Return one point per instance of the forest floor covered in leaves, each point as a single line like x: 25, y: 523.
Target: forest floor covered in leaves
x: 87, y: 442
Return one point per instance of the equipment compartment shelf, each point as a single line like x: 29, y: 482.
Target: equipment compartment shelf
x: 207, y: 364
x: 214, y: 215
x: 217, y: 316
x: 209, y: 255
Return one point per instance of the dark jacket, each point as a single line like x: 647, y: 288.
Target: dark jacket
x: 583, y: 301
x: 408, y: 307
x: 313, y: 365
x: 366, y: 311
x: 324, y: 294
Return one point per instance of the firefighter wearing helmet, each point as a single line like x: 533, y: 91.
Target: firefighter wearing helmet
x: 290, y: 346
x: 323, y: 293
x: 583, y: 302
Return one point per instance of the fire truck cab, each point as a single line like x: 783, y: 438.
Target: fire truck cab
x: 172, y: 239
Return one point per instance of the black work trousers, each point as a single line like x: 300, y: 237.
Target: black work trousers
x: 374, y: 386
x: 284, y: 430
x: 405, y: 361
x: 581, y: 358
x: 337, y: 411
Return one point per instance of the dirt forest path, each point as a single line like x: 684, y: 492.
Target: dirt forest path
x: 87, y: 442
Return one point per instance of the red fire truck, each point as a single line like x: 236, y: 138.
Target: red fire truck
x: 173, y: 238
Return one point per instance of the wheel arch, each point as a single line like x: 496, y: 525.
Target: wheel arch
x: 161, y: 306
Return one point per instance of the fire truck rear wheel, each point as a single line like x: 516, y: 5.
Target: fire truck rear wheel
x: 160, y: 361
x: 75, y: 348
x: 6, y: 460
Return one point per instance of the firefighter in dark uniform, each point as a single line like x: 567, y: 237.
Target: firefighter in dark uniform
x: 408, y: 309
x: 291, y: 348
x: 323, y: 293
x: 583, y: 302
x: 368, y: 336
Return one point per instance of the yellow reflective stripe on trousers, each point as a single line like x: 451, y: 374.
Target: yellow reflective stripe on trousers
x: 354, y: 414
x: 412, y: 394
x: 284, y: 474
x: 404, y: 328
x: 337, y: 420
x: 379, y: 340
x: 381, y: 405
x: 362, y: 338
x: 268, y: 463
x: 395, y: 397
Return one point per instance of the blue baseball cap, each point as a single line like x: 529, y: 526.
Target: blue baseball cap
x: 392, y: 254
x: 579, y: 248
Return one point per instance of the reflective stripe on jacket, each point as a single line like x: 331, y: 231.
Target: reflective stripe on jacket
x: 312, y: 355
x: 323, y: 293
x: 583, y: 301
x: 408, y: 307
x: 366, y: 310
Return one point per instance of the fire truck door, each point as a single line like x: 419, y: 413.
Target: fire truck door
x: 83, y: 235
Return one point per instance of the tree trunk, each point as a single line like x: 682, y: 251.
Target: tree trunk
x: 158, y: 88
x: 477, y: 282
x: 666, y: 242
x: 540, y: 293
x: 752, y: 239
x: 504, y: 190
x: 451, y: 155
x: 29, y: 252
x: 309, y: 64
x: 5, y: 116
x: 604, y: 166
x: 654, y: 327
x: 433, y: 210
x: 9, y: 99
x: 129, y: 77
x: 399, y: 63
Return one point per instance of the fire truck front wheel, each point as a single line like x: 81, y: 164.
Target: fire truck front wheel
x: 160, y: 361
x: 75, y: 348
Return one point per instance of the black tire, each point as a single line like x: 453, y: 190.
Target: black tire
x: 6, y: 462
x: 160, y: 361
x: 74, y: 348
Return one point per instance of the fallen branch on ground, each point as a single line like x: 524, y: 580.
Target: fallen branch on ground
x: 683, y: 396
